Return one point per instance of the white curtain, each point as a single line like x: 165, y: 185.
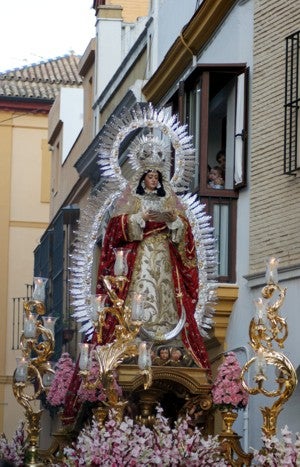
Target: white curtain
x: 239, y: 126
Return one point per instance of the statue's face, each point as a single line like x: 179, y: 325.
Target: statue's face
x: 151, y: 181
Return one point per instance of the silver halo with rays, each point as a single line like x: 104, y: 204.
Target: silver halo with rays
x: 147, y: 117
x: 142, y: 117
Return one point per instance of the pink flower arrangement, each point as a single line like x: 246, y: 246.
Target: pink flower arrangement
x: 61, y: 381
x: 227, y: 390
x: 120, y: 444
x: 64, y: 372
x: 14, y: 451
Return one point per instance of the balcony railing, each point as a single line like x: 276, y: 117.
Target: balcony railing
x: 18, y: 320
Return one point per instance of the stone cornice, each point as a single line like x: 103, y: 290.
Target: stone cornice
x: 227, y: 295
x: 193, y: 37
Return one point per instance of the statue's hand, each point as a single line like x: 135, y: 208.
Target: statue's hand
x: 165, y: 216
x: 170, y: 216
x: 146, y: 215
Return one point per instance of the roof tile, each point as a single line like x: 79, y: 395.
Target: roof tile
x: 41, y: 81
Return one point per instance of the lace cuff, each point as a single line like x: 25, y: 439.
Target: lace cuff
x: 176, y: 228
x: 136, y: 224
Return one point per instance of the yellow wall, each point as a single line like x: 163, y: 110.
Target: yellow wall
x: 24, y: 214
x: 5, y: 170
x: 132, y: 9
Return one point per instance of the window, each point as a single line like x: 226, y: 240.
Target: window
x: 216, y: 112
x: 291, y: 115
x: 213, y: 103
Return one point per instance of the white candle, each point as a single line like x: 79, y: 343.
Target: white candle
x: 48, y: 376
x: 21, y: 370
x: 39, y: 288
x: 271, y: 272
x: 260, y: 314
x: 49, y: 323
x: 97, y: 302
x: 29, y: 326
x: 144, y: 359
x: 84, y: 356
x: 137, y: 307
x: 260, y: 362
x: 120, y: 266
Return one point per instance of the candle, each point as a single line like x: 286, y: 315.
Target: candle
x: 84, y: 356
x: 144, y: 359
x: 260, y: 362
x: 97, y: 302
x: 21, y: 370
x: 39, y: 288
x: 49, y: 323
x: 120, y: 266
x: 29, y: 326
x: 137, y: 307
x: 48, y: 376
x: 260, y: 314
x: 271, y: 271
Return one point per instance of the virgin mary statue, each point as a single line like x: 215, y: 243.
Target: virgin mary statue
x: 144, y: 209
x: 145, y: 212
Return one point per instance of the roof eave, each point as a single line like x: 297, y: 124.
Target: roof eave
x: 25, y: 104
x: 192, y: 39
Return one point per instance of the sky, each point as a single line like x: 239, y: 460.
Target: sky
x: 33, y: 31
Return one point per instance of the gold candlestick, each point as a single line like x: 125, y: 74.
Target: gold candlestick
x: 109, y: 356
x: 265, y: 329
x: 33, y: 373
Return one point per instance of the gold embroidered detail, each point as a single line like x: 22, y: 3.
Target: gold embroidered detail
x: 152, y: 277
x: 179, y: 294
x: 189, y: 262
x: 156, y: 232
x: 123, y: 227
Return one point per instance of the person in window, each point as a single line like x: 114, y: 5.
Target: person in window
x: 151, y: 223
x: 221, y: 161
x: 215, y: 178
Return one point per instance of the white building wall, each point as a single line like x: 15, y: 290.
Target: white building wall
x: 71, y: 114
x: 131, y: 32
x: 169, y: 17
x: 108, y: 50
x: 233, y: 42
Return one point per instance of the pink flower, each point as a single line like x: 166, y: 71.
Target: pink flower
x: 227, y: 390
x: 61, y: 381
